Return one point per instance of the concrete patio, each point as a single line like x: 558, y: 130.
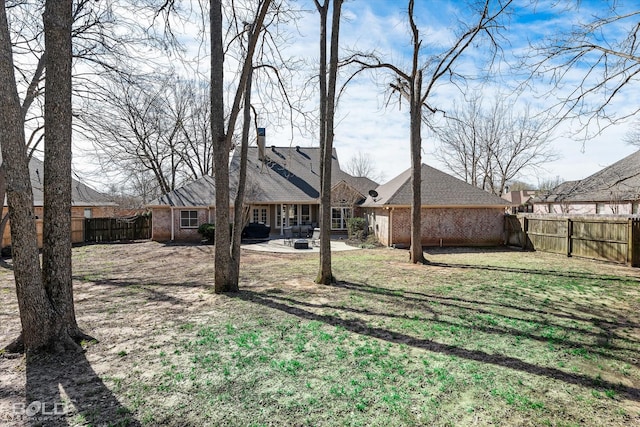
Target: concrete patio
x: 278, y: 245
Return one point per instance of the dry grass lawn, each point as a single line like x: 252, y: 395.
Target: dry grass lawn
x: 477, y: 337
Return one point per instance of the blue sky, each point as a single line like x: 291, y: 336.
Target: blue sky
x: 367, y: 123
x: 367, y: 120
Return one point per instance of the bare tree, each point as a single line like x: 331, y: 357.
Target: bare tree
x: 226, y: 279
x: 45, y: 297
x: 361, y: 164
x: 151, y: 126
x: 591, y: 64
x: 418, y: 84
x: 327, y: 114
x: 488, y: 147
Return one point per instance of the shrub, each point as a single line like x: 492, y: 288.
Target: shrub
x: 207, y: 231
x: 357, y: 228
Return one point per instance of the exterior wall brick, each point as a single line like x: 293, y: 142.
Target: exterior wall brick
x: 161, y: 224
x: 446, y: 226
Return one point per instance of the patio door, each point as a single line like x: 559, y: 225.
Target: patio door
x: 260, y: 214
x: 339, y: 217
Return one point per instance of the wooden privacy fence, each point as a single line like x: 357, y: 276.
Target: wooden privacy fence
x: 608, y: 238
x: 77, y: 232
x: 115, y: 229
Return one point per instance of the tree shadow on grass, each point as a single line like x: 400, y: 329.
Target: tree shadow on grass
x: 63, y: 389
x: 494, y: 330
x: 557, y: 273
x: 360, y: 326
x: 454, y: 301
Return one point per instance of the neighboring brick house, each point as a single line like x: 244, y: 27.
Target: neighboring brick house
x: 613, y: 190
x: 85, y: 203
x: 453, y: 212
x: 521, y: 200
x: 283, y: 190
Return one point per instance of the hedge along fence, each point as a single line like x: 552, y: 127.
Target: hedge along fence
x: 607, y: 238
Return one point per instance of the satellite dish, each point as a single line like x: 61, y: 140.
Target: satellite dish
x: 373, y: 193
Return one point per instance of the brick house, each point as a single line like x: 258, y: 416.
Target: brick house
x: 85, y: 203
x: 283, y: 190
x: 612, y: 190
x: 453, y: 212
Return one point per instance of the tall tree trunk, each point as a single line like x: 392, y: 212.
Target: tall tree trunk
x: 416, y: 253
x: 39, y: 322
x: 222, y: 254
x: 325, y: 275
x: 415, y: 111
x: 56, y: 249
x: 238, y: 205
x: 224, y: 280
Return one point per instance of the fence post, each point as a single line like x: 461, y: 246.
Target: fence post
x: 630, y: 241
x: 634, y: 240
x: 525, y: 230
x: 569, y: 237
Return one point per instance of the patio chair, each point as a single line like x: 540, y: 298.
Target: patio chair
x: 315, y: 238
x: 288, y: 235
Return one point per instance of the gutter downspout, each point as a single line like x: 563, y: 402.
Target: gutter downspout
x: 390, y: 226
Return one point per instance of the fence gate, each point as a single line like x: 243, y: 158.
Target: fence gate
x: 115, y: 229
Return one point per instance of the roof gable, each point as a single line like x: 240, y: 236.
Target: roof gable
x: 437, y: 188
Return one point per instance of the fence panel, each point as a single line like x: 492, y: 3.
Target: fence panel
x: 548, y: 235
x: 116, y: 229
x: 607, y: 238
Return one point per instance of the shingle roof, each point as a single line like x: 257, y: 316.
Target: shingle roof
x: 81, y: 194
x: 291, y: 174
x: 287, y: 175
x: 438, y: 189
x: 620, y: 182
x: 200, y: 192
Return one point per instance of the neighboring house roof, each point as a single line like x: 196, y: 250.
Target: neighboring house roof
x: 438, y: 189
x: 200, y: 192
x: 285, y: 175
x: 520, y: 197
x: 618, y: 182
x: 81, y: 194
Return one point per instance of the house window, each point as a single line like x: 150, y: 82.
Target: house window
x: 339, y: 217
x: 88, y: 213
x: 305, y: 214
x: 286, y: 215
x: 188, y: 219
x: 260, y: 214
x: 599, y: 208
x: 293, y: 214
x: 634, y: 208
